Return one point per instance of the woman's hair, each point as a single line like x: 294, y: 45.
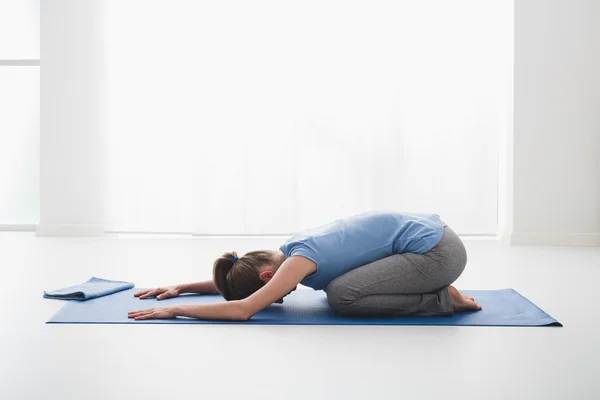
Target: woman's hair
x: 236, y: 281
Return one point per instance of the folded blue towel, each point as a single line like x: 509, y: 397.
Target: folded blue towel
x: 91, y: 289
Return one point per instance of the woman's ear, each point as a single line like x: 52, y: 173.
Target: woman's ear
x: 266, y: 276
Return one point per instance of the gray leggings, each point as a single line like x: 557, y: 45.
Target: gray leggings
x: 402, y: 284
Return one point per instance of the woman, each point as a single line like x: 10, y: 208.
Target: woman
x: 376, y: 264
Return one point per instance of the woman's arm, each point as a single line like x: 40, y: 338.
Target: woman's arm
x: 228, y: 311
x: 287, y: 277
x: 206, y: 287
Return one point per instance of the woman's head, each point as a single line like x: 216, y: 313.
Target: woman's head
x: 238, y: 280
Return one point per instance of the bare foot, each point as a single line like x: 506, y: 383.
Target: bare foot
x: 466, y: 297
x: 460, y: 302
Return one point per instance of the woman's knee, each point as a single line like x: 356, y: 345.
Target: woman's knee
x: 451, y: 254
x: 341, y: 298
x: 458, y: 256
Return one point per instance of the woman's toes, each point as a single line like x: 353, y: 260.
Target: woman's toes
x: 469, y: 299
x: 468, y: 305
x: 462, y: 302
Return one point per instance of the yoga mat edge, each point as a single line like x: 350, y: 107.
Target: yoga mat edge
x: 504, y: 307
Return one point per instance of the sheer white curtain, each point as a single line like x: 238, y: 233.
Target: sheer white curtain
x: 267, y: 117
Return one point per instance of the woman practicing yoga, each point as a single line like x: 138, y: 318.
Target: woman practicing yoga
x: 376, y: 264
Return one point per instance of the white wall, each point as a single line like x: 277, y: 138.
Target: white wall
x: 72, y: 118
x: 556, y: 123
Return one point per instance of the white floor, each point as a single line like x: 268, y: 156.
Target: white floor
x: 289, y: 362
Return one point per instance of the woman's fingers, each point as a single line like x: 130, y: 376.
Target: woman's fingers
x: 141, y: 311
x: 160, y: 293
x: 152, y: 313
x: 133, y: 314
x: 137, y: 315
x: 153, y: 292
x: 150, y: 293
x: 168, y: 294
x: 144, y: 314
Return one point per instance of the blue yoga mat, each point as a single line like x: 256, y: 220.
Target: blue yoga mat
x: 306, y: 307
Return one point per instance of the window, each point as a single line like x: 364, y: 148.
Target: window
x: 19, y: 112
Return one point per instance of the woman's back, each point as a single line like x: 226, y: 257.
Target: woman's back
x: 348, y: 243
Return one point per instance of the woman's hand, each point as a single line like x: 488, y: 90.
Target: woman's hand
x: 152, y: 313
x: 160, y: 293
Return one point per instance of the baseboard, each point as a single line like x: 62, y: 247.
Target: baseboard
x: 69, y: 230
x: 555, y: 239
x: 17, y: 227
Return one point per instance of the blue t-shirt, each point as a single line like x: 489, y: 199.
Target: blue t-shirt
x: 351, y: 242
